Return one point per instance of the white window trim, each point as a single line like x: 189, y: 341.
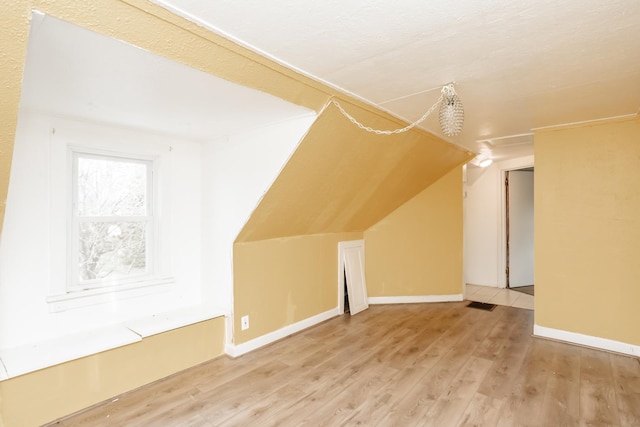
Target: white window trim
x: 63, y: 295
x: 84, y: 298
x: 150, y: 220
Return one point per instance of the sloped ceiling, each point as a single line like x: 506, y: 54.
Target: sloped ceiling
x: 73, y: 72
x: 518, y: 65
x: 342, y: 179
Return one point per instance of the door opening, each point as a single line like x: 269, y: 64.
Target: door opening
x: 352, y: 288
x: 346, y: 292
x: 519, y: 245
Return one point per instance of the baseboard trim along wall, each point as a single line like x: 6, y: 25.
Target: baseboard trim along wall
x: 415, y: 299
x: 244, y: 348
x: 586, y: 340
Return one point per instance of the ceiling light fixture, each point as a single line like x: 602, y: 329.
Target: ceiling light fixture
x: 451, y: 114
x: 482, y: 161
x: 485, y: 163
x: 451, y: 111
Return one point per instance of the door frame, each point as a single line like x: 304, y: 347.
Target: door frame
x: 502, y: 229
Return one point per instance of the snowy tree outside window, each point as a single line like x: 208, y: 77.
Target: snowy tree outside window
x: 112, y: 220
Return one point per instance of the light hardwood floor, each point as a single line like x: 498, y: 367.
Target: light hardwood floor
x: 421, y: 364
x: 499, y: 296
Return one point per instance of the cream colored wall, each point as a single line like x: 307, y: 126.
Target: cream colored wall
x: 417, y: 249
x: 279, y: 282
x: 48, y: 394
x: 587, y: 229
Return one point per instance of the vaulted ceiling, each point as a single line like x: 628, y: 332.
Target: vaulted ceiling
x: 73, y: 72
x: 339, y: 179
x: 517, y: 65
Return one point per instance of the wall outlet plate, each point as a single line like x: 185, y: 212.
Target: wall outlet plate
x: 244, y: 322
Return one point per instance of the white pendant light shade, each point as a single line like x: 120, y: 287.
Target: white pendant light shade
x: 451, y: 112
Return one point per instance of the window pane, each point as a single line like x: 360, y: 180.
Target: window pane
x: 111, y: 250
x: 111, y: 187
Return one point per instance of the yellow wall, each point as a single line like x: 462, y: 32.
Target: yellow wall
x: 417, y: 249
x: 45, y: 395
x: 414, y: 251
x: 279, y: 282
x: 587, y: 229
x: 343, y: 179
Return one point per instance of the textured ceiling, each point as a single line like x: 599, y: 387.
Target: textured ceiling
x: 517, y: 65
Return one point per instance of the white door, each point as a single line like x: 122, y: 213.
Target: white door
x: 353, y: 259
x: 520, y: 228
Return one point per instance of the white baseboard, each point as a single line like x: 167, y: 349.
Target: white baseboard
x: 240, y: 349
x: 587, y: 340
x: 415, y: 299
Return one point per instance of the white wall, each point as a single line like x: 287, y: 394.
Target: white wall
x: 238, y: 172
x: 484, y: 222
x: 208, y: 191
x: 481, y: 220
x: 33, y: 247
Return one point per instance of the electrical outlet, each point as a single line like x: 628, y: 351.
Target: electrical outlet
x: 244, y: 321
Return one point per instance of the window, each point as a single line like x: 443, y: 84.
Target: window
x: 112, y: 222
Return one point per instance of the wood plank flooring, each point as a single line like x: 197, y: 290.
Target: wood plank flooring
x: 395, y: 365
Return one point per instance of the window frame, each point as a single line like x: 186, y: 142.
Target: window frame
x: 64, y: 139
x: 73, y: 283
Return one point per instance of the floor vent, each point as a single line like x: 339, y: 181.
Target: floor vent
x: 481, y: 305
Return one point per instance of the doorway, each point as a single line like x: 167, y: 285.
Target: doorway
x: 519, y: 271
x: 352, y: 287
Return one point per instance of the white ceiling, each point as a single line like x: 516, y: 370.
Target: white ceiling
x: 517, y: 65
x: 73, y: 72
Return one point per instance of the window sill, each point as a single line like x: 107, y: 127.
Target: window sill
x: 157, y: 323
x: 29, y: 358
x: 79, y: 299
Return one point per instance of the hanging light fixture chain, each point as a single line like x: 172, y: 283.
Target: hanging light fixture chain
x: 387, y: 132
x: 394, y: 131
